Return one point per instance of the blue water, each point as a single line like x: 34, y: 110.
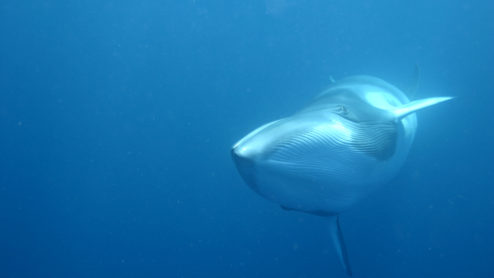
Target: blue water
x: 117, y: 119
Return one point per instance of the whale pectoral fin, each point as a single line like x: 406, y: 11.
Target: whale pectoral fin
x: 416, y: 105
x: 339, y: 243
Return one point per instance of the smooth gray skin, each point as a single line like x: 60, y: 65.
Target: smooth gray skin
x: 353, y: 138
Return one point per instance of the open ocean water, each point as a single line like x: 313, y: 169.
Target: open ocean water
x: 117, y: 119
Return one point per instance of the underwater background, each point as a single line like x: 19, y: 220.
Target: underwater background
x: 117, y: 119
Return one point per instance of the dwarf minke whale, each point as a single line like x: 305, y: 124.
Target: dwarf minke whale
x: 322, y: 160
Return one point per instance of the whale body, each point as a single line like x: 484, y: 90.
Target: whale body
x: 351, y: 139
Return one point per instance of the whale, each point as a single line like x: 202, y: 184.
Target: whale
x: 350, y: 140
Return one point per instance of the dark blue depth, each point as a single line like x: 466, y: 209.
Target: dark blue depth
x: 117, y: 119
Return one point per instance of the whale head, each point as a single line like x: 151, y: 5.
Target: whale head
x: 318, y: 161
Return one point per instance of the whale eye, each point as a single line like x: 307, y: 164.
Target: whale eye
x: 341, y: 109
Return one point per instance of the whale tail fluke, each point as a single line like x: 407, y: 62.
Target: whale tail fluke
x: 417, y: 105
x: 339, y: 243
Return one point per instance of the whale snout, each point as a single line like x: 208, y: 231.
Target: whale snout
x: 254, y: 145
x: 242, y: 151
x: 245, y: 164
x: 240, y: 157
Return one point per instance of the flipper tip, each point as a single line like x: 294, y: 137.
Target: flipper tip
x: 339, y: 243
